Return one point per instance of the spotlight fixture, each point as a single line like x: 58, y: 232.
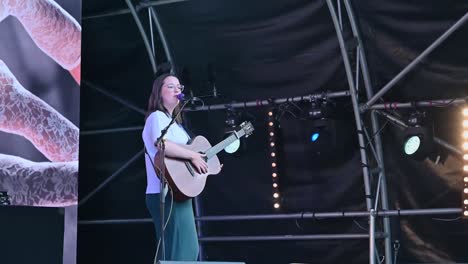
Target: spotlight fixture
x: 319, y: 109
x: 418, y: 139
x: 232, y: 121
x: 315, y: 111
x: 315, y: 136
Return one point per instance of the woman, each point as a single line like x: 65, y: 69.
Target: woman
x: 181, y: 240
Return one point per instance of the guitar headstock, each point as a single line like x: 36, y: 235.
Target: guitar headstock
x: 247, y: 128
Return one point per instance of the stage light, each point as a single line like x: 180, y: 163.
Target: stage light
x: 416, y: 118
x: 319, y: 109
x: 465, y: 134
x: 232, y: 118
x: 465, y: 201
x: 465, y: 157
x: 273, y: 155
x: 465, y: 190
x: 232, y: 122
x: 315, y: 136
x: 233, y: 147
x: 418, y: 140
x: 314, y: 111
x: 465, y: 123
x: 465, y: 213
x: 465, y: 146
x: 465, y: 179
x: 465, y: 168
x: 320, y: 115
x: 412, y: 144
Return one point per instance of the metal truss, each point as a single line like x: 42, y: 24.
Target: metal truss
x: 376, y: 200
x: 353, y: 85
x: 417, y: 60
x: 296, y: 216
x: 361, y: 67
x: 128, y: 11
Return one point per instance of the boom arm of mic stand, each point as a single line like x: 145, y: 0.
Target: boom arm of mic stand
x: 164, y: 131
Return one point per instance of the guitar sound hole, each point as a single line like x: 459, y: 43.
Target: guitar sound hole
x: 205, y: 158
x: 190, y: 168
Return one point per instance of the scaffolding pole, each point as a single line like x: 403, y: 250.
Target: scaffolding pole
x: 110, y: 178
x: 110, y: 130
x: 382, y: 179
x: 147, y: 4
x: 127, y: 11
x: 261, y: 102
x: 162, y: 37
x: 415, y: 62
x: 347, y: 64
x: 143, y: 34
x: 295, y: 216
x: 431, y: 103
x: 288, y: 237
x: 114, y: 97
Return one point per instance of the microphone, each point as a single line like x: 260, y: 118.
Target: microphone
x: 182, y: 97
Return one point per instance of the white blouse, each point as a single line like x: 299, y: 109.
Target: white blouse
x: 156, y: 122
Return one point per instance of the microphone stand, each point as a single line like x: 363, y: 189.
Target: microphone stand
x: 161, y: 145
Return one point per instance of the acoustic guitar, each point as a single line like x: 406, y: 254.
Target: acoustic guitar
x: 183, y: 178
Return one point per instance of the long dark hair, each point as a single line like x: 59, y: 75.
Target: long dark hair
x: 155, y: 101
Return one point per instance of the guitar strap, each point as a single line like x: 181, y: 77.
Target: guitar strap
x: 166, y: 188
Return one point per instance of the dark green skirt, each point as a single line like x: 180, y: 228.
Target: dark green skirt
x: 180, y: 233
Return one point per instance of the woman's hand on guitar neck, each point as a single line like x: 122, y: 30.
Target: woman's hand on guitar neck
x: 198, y: 161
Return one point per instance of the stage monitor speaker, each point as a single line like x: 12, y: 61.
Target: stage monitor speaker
x: 196, y: 262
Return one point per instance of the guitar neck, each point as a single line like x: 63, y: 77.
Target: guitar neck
x: 221, y: 145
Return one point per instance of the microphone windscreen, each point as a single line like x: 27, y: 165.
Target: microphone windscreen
x: 181, y: 96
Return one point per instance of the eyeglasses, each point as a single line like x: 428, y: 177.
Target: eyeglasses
x: 173, y: 86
